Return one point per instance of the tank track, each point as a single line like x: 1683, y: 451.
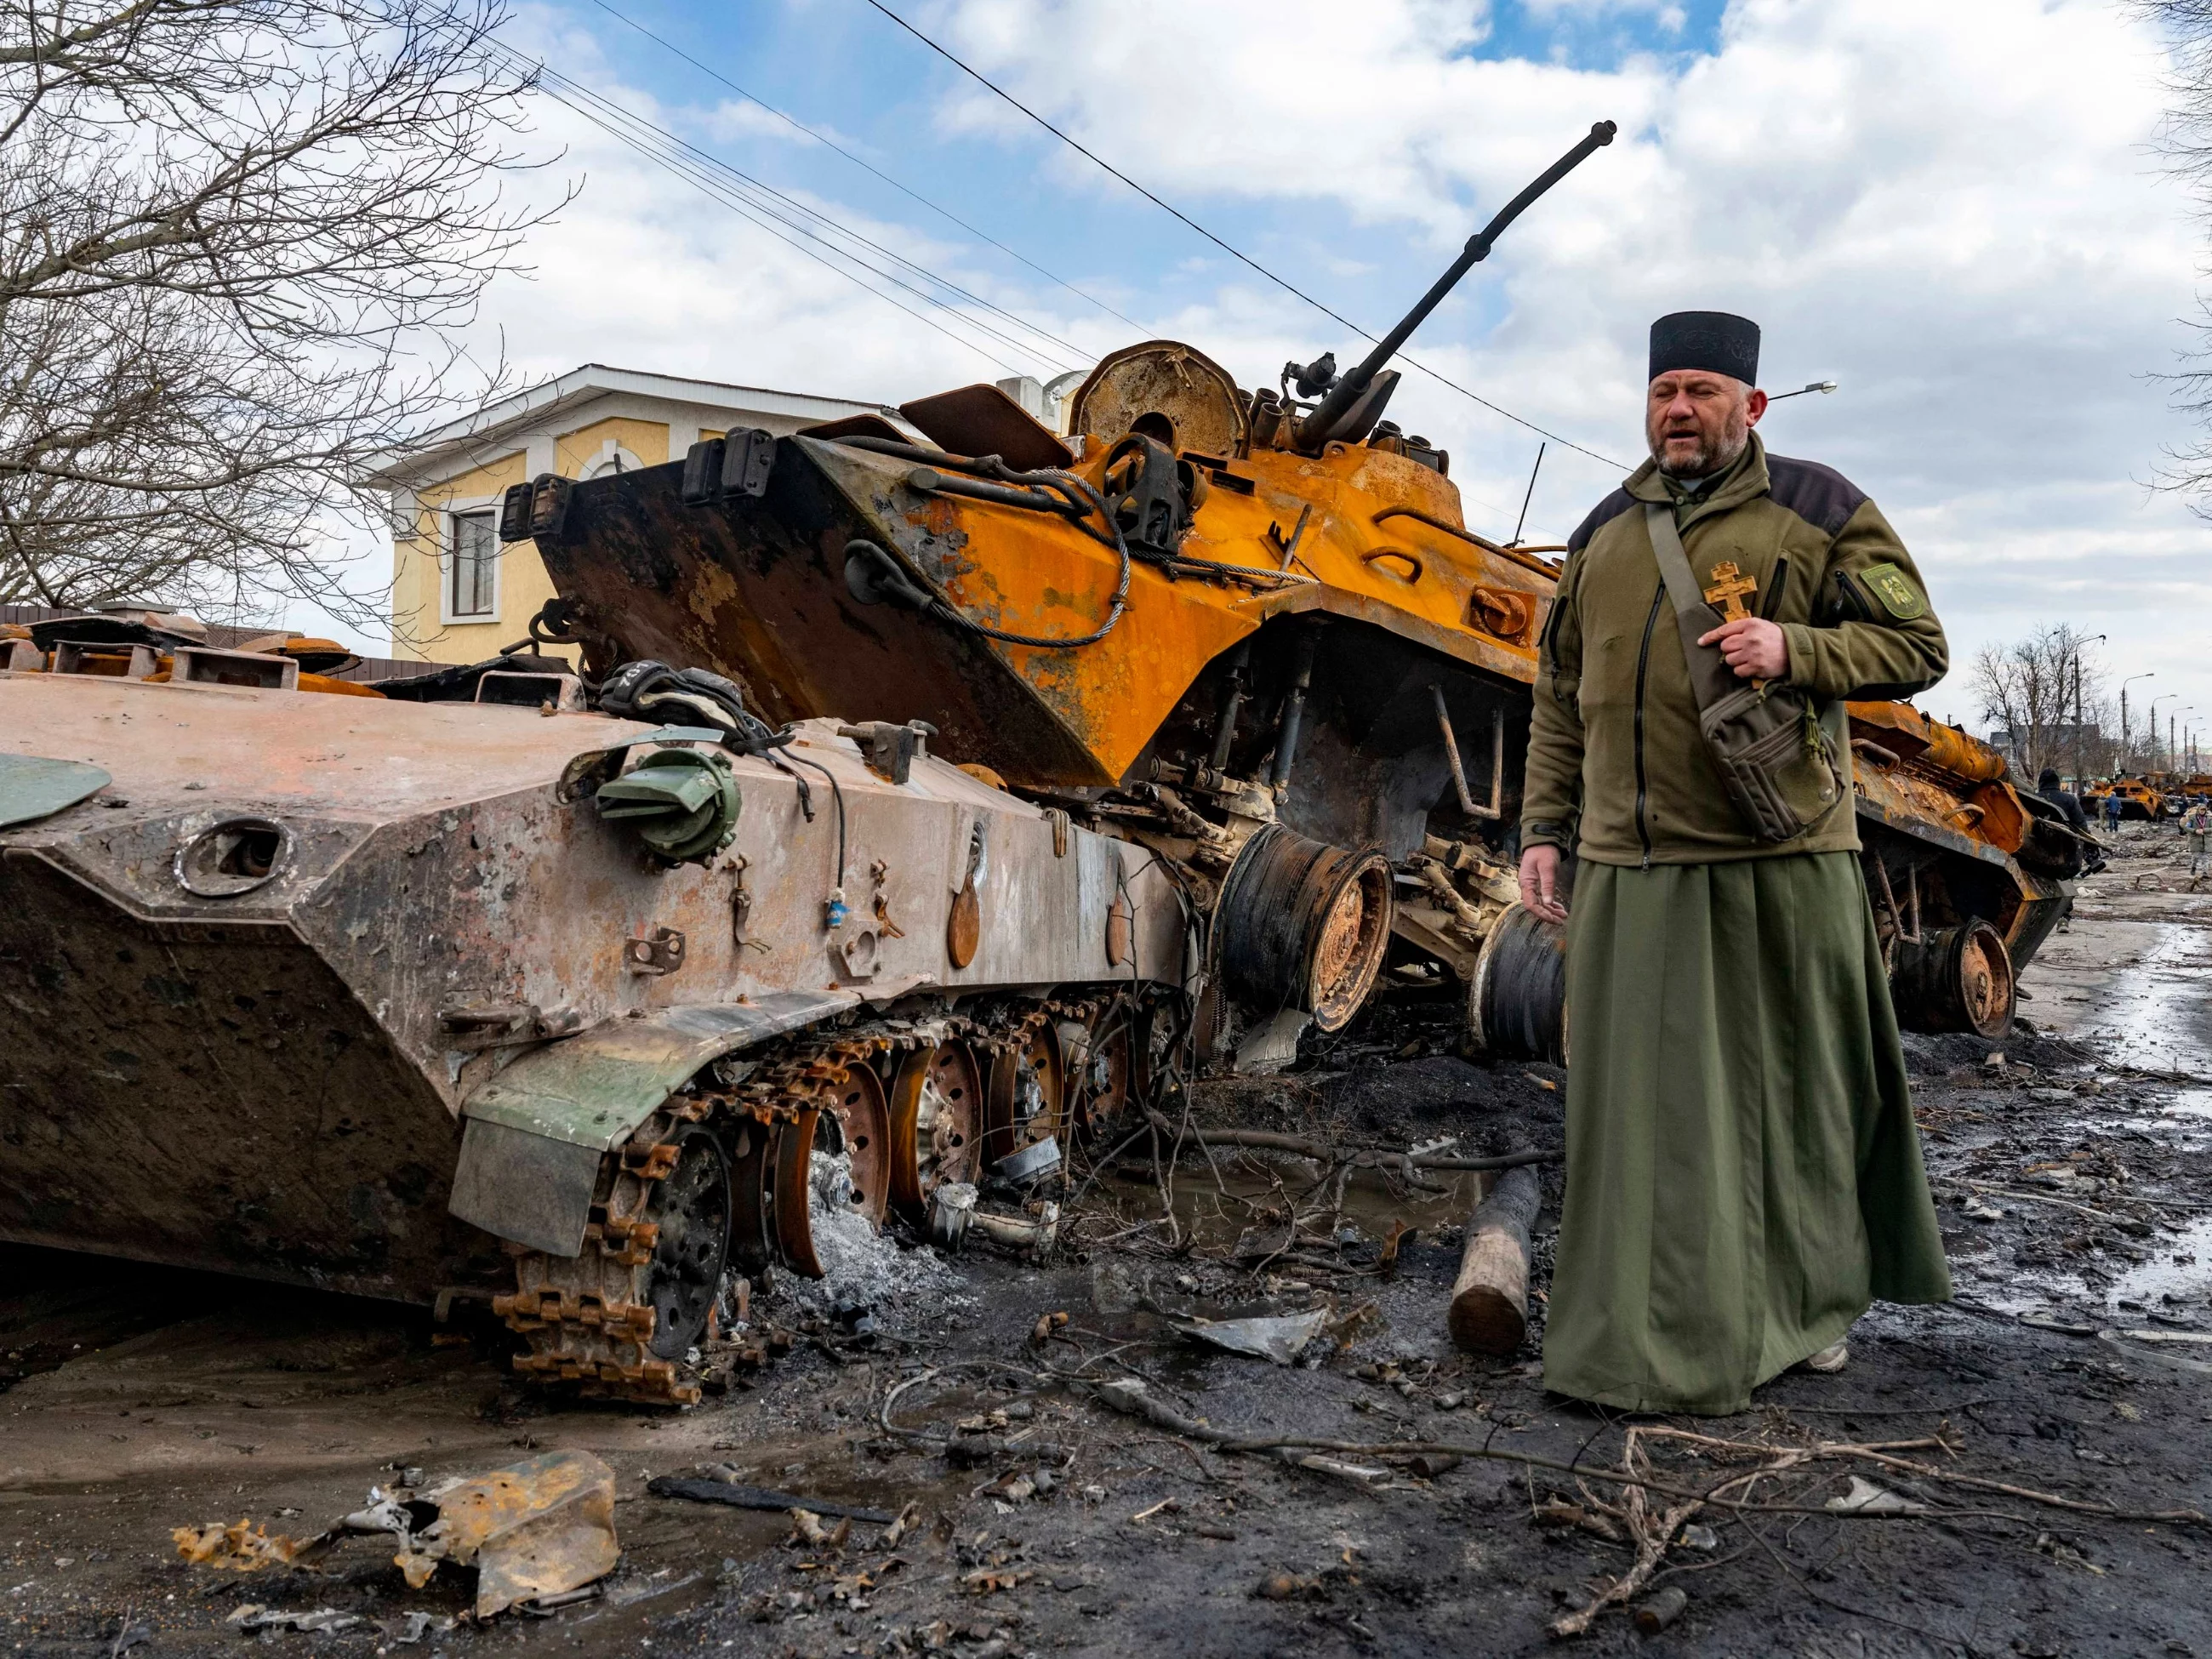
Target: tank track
x: 587, y: 1320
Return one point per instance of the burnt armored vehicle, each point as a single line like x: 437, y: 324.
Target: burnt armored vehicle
x: 1249, y: 632
x: 498, y: 997
x: 1248, y: 629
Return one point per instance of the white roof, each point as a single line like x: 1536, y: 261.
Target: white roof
x: 534, y: 406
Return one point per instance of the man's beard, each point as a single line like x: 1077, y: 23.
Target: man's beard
x: 1711, y: 457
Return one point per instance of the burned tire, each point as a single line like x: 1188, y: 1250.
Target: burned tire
x: 1954, y: 979
x: 1305, y: 925
x: 1517, y: 1004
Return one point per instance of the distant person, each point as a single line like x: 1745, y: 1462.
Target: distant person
x: 2065, y: 799
x: 2196, y: 824
x: 1743, y: 1172
x: 2112, y: 813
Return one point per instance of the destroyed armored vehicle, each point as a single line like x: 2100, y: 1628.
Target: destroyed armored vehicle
x: 1248, y: 630
x: 1967, y: 874
x: 2139, y: 801
x: 456, y: 989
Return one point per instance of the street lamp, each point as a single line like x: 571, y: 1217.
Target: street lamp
x: 1814, y: 386
x: 2151, y: 674
x: 2163, y: 696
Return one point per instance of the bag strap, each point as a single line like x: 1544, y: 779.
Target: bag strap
x: 1711, y: 680
x: 1674, y: 562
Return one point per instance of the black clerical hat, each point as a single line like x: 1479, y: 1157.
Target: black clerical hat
x: 1715, y: 341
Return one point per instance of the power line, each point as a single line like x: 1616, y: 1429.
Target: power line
x: 689, y: 163
x: 820, y: 138
x: 709, y: 189
x: 688, y: 154
x: 1234, y: 252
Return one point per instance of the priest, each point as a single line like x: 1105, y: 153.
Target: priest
x: 1743, y: 1172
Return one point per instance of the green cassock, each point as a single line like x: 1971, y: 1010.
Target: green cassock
x: 1743, y: 1173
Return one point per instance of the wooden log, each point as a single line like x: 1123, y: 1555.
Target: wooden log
x: 1490, y: 1298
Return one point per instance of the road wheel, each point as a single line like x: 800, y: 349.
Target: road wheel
x: 691, y: 1208
x: 936, y: 1124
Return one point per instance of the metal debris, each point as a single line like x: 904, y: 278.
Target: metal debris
x: 951, y: 1206
x: 1278, y: 1338
x: 1661, y: 1610
x: 1032, y: 1231
x: 239, y: 1547
x: 1864, y: 1497
x: 531, y: 1530
x: 534, y: 1528
x: 322, y: 1621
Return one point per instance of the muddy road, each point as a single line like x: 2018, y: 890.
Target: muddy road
x: 2072, y: 1380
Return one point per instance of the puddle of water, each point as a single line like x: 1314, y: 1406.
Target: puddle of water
x: 2188, y: 1281
x: 1252, y: 1202
x: 2184, y: 1118
x: 2189, y: 1103
x: 2157, y: 1013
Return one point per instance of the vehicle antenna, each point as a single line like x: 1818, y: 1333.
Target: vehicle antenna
x: 1529, y: 497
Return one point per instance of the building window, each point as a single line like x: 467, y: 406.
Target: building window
x: 472, y: 574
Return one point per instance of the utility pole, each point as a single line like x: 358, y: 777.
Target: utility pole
x: 2151, y: 674
x: 2077, y: 720
x: 2081, y: 720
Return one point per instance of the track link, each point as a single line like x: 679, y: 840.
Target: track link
x: 587, y: 1320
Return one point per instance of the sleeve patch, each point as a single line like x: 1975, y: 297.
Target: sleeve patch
x: 1895, y: 590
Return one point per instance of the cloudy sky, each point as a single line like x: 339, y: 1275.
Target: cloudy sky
x: 1956, y: 209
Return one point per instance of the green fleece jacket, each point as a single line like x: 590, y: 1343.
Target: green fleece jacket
x: 1617, y: 765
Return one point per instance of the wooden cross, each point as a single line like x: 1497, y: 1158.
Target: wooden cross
x: 1730, y: 589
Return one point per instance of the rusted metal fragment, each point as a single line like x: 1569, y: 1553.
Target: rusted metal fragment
x: 241, y: 1546
x: 534, y: 1528
x: 981, y: 420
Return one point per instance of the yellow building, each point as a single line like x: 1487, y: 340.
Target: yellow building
x: 456, y: 594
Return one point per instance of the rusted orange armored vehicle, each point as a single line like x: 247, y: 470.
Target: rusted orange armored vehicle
x: 1249, y: 632
x: 1967, y: 874
x: 1248, y: 629
x: 455, y: 988
x: 2138, y: 800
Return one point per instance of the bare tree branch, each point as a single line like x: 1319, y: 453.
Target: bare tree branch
x: 2031, y: 689
x: 235, y: 239
x: 2186, y: 139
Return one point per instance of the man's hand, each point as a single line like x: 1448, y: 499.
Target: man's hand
x: 1539, y: 883
x: 1757, y: 650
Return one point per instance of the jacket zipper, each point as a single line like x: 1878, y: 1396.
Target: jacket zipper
x: 1642, y: 661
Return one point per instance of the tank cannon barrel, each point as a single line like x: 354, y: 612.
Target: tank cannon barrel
x: 1319, y: 426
